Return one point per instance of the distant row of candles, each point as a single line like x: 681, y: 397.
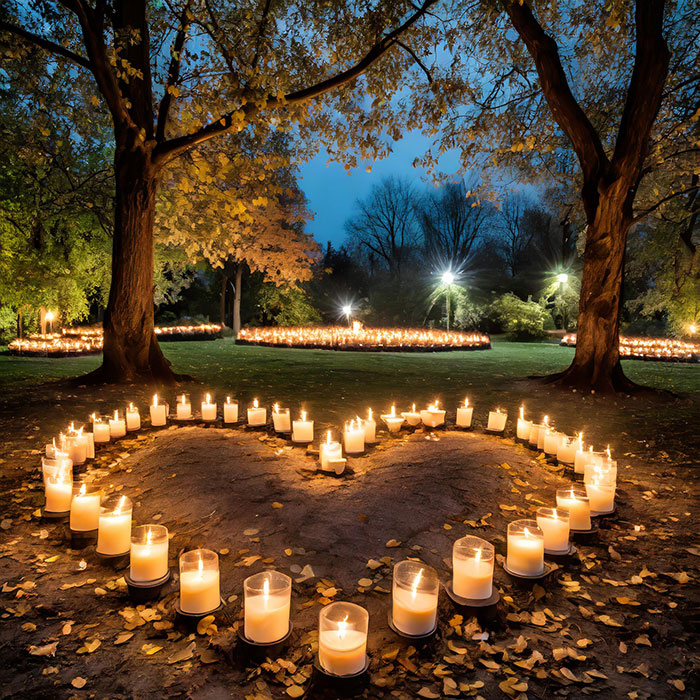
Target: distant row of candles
x: 343, y: 626
x: 651, y: 348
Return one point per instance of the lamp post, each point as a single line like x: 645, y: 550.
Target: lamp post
x: 347, y: 310
x: 562, y: 278
x: 447, y: 279
x: 49, y: 319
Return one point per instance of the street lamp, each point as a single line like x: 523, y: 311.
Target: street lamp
x: 347, y: 310
x: 562, y: 278
x: 49, y: 319
x: 447, y: 279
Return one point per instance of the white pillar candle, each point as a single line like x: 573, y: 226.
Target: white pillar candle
x: 525, y: 555
x: 90, y: 438
x: 370, y: 428
x: 159, y: 413
x: 337, y: 465
x: 497, y: 421
x: 281, y: 420
x: 354, y: 437
x: 230, y: 411
x: 523, y: 427
x: 576, y: 502
x: 208, y: 409
x: 464, y: 415
x: 392, y: 421
x: 605, y: 472
x: 554, y: 523
x: 149, y: 553
x: 114, y: 527
x: 199, y: 581
x: 601, y: 496
x: 257, y: 416
x: 342, y: 638
x: 183, y: 410
x: 58, y: 491
x: 432, y: 416
x: 534, y: 434
x: 133, y: 418
x: 412, y: 417
x: 266, y: 607
x: 100, y: 430
x: 414, y: 598
x: 583, y: 456
x: 472, y: 568
x: 117, y: 425
x: 77, y: 447
x: 50, y: 449
x: 85, y: 509
x: 329, y: 450
x: 302, y: 429
x: 552, y: 439
x: 566, y: 452
x: 53, y: 467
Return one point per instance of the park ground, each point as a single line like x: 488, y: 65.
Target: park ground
x: 615, y: 623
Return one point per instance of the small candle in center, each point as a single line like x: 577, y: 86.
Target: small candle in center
x: 414, y: 598
x: 302, y: 429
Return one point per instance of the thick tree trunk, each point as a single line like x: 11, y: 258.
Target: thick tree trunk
x: 237, y: 301
x: 131, y: 350
x: 222, y: 299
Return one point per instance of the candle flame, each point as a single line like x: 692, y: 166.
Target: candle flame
x: 255, y: 403
x: 266, y: 588
x: 369, y: 414
x: 392, y: 413
x: 131, y: 406
x: 521, y: 413
x: 477, y: 555
x: 526, y: 532
x: 149, y: 536
x: 120, y: 505
x: 607, y: 449
x: 208, y: 399
x: 155, y: 399
x: 328, y: 439
x: 413, y: 408
x: 228, y: 399
x: 342, y: 627
x: 416, y: 582
x: 303, y: 416
x: 200, y: 566
x: 183, y: 399
x: 466, y: 402
x: 546, y: 420
x: 83, y: 490
x: 276, y: 408
x: 116, y: 415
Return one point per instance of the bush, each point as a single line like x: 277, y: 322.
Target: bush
x: 8, y: 324
x: 522, y: 320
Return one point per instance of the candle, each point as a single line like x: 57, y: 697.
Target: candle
x: 552, y: 438
x: 342, y: 638
x: 256, y: 415
x: 524, y: 426
x: 199, y: 581
x: 133, y: 418
x: 114, y: 526
x: 432, y: 416
x: 280, y: 419
x: 208, y: 409
x: 607, y: 472
x: 601, y: 496
x: 90, y: 438
x: 566, y: 452
x: 117, y: 425
x: 76, y: 445
x: 370, y: 428
x: 149, y: 553
x: 525, y: 555
x: 393, y: 422
x: 302, y: 429
x: 53, y: 466
x: 266, y: 607
x: 50, y: 449
x: 554, y: 523
x: 354, y: 437
x: 230, y: 411
x: 183, y: 410
x: 329, y: 450
x: 414, y: 598
x: 497, y: 421
x: 472, y: 568
x: 85, y: 508
x: 534, y: 434
x: 337, y: 465
x: 100, y: 429
x: 58, y: 490
x: 576, y: 502
x: 412, y: 417
x: 464, y: 415
x: 159, y: 413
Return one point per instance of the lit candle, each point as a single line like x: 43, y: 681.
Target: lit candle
x: 133, y: 418
x: 472, y: 568
x: 370, y: 428
x: 159, y: 413
x: 412, y: 417
x: 607, y: 471
x: 354, y: 437
x: 581, y: 455
x: 230, y: 411
x: 199, y: 581
x: 464, y: 415
x: 342, y: 638
x: 50, y: 449
x: 393, y: 422
x: 534, y: 434
x: 85, y: 509
x: 433, y: 416
x: 183, y: 410
x: 280, y: 419
x: 525, y: 555
x: 117, y: 425
x: 266, y: 607
x: 552, y: 438
x: 523, y: 427
x: 302, y: 429
x: 601, y: 496
x: 114, y: 527
x: 329, y: 450
x: 257, y: 415
x: 53, y: 466
x: 76, y: 445
x: 554, y: 523
x: 414, y: 598
x: 497, y: 421
x: 566, y: 452
x: 100, y: 429
x: 208, y: 409
x: 576, y: 502
x: 149, y: 553
x: 58, y: 490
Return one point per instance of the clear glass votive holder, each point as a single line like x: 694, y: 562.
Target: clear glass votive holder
x: 554, y: 523
x: 117, y: 424
x: 415, y: 598
x: 607, y: 471
x: 114, y: 527
x: 183, y: 408
x: 85, y: 507
x: 267, y: 601
x: 576, y: 502
x: 472, y: 568
x: 342, y: 638
x: 149, y: 552
x: 601, y: 495
x: 58, y: 490
x: 281, y: 420
x: 199, y: 581
x: 101, y: 432
x: 525, y: 554
x: 53, y: 465
x: 230, y: 411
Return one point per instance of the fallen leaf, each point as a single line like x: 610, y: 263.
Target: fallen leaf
x: 44, y: 650
x: 78, y: 682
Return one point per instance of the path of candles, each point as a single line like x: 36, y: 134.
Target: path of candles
x: 260, y: 503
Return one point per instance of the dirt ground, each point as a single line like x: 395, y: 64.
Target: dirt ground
x: 619, y: 620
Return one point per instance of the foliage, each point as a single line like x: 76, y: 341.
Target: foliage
x: 285, y: 306
x: 522, y: 320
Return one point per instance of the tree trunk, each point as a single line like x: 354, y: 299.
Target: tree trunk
x: 222, y: 299
x: 131, y: 350
x: 237, y: 301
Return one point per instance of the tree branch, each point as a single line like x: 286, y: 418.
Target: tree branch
x: 413, y: 55
x: 663, y: 201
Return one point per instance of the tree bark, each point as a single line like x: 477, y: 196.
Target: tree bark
x: 237, y: 301
x: 222, y: 299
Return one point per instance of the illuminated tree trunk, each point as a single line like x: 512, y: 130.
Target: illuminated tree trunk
x: 222, y: 299
x: 237, y: 301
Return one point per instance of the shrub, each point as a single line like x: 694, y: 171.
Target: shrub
x: 522, y: 320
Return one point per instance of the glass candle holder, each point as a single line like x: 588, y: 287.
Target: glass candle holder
x: 415, y: 597
x: 392, y: 421
x: 354, y: 437
x: 412, y: 417
x: 534, y: 436
x: 117, y: 424
x: 199, y: 581
x: 584, y: 457
x: 554, y: 523
x: 566, y: 452
x: 472, y: 568
x: 52, y: 466
x: 525, y: 556
x: 342, y: 638
x: 302, y: 429
x: 58, y: 490
x: 545, y: 430
x: 267, y: 600
x: 76, y: 445
x: 85, y: 507
x: 114, y: 527
x: 601, y: 496
x: 257, y: 415
x: 497, y: 421
x: 159, y: 413
x: 183, y: 409
x: 523, y: 427
x: 605, y: 471
x: 465, y: 414
x: 328, y: 451
x: 552, y: 439
x: 370, y: 426
x: 230, y: 411
x: 208, y: 408
x: 133, y: 418
x: 281, y: 420
x: 433, y: 416
x: 575, y: 501
x: 149, y: 553
x: 100, y: 429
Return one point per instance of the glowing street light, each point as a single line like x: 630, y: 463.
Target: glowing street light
x: 692, y: 328
x: 49, y: 319
x: 562, y: 278
x: 347, y: 310
x: 447, y: 278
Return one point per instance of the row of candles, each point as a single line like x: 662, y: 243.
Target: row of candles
x: 343, y: 626
x: 651, y: 348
